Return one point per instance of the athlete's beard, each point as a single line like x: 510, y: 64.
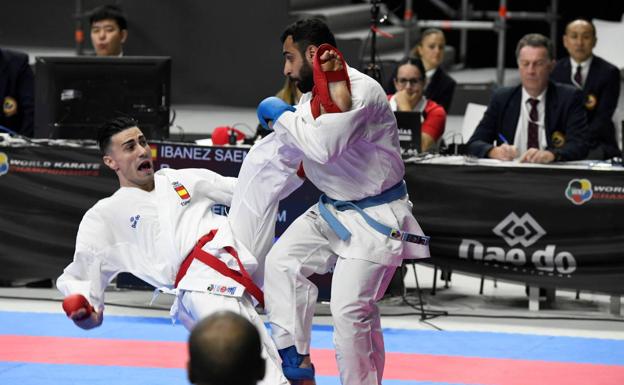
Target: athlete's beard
x: 306, y: 80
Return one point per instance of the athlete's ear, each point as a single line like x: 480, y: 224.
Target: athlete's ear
x: 110, y: 162
x: 310, y: 52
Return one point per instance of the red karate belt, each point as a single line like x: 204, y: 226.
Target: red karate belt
x: 320, y: 91
x: 215, y: 263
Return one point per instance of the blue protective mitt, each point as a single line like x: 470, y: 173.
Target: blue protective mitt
x: 270, y: 109
x: 291, y: 360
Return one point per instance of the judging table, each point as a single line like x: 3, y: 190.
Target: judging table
x: 553, y: 226
x: 548, y: 225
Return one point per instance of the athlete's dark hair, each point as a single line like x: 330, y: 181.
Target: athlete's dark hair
x: 307, y: 32
x: 112, y: 127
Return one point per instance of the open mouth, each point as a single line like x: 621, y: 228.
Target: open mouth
x: 146, y: 165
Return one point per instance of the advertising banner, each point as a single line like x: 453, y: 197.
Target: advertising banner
x: 545, y: 226
x: 45, y: 191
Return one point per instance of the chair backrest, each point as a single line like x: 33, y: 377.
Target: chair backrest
x: 465, y: 93
x: 609, y: 45
x: 472, y: 117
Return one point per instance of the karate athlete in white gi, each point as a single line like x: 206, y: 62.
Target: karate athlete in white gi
x: 155, y: 220
x: 363, y: 223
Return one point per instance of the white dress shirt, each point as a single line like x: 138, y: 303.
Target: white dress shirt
x: 584, y: 70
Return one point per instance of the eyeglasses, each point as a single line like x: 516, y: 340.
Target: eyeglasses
x: 412, y: 81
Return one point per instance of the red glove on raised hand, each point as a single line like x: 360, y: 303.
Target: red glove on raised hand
x: 75, y: 302
x: 320, y: 92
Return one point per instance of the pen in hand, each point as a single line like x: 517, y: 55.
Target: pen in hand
x: 502, y: 137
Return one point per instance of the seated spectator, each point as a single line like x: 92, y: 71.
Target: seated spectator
x: 225, y: 349
x: 409, y: 82
x: 16, y: 92
x: 109, y: 30
x: 538, y: 121
x: 430, y: 49
x: 598, y: 79
x: 289, y: 92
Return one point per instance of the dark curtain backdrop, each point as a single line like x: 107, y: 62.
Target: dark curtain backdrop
x: 224, y: 52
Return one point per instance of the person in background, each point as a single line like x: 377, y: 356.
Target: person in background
x: 225, y: 349
x: 598, y: 79
x: 538, y: 121
x: 17, y: 92
x: 409, y: 81
x: 109, y: 30
x: 430, y: 49
x: 288, y: 93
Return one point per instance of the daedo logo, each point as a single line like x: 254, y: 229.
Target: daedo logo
x: 514, y: 230
x: 522, y: 231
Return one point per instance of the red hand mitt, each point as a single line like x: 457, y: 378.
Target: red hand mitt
x: 75, y: 302
x: 320, y: 92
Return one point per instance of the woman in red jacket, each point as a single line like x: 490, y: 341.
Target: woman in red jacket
x: 409, y: 81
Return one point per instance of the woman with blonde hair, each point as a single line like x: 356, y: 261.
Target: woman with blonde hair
x: 430, y: 49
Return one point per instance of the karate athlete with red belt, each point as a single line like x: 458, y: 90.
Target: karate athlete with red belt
x: 160, y: 227
x: 348, y: 141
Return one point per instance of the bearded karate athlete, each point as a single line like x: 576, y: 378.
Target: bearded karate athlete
x: 347, y: 139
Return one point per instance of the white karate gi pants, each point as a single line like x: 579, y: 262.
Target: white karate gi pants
x: 266, y: 176
x: 357, y: 285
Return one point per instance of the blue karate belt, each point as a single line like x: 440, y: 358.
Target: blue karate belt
x: 395, y: 192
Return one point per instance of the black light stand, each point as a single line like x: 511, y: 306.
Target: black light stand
x: 372, y: 69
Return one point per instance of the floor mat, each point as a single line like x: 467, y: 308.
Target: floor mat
x: 44, y: 348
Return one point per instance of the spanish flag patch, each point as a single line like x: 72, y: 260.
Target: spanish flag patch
x: 181, y: 190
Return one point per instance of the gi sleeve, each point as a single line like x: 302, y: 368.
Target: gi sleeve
x: 326, y: 137
x: 89, y: 274
x: 216, y: 187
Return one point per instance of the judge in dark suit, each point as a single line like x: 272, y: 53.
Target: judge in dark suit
x: 430, y: 49
x: 16, y: 92
x: 600, y: 82
x: 538, y: 121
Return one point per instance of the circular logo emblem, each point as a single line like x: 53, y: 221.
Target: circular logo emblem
x: 4, y: 163
x: 590, y: 102
x: 9, y: 106
x: 558, y: 139
x: 579, y: 191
